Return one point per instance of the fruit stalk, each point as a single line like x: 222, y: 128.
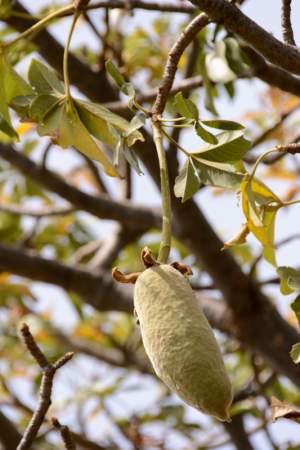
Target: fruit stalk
x: 166, y: 234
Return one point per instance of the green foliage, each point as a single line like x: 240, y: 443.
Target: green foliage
x: 11, y: 85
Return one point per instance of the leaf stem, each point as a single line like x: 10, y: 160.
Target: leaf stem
x: 175, y: 143
x: 39, y: 25
x: 259, y: 160
x: 293, y: 202
x: 66, y: 54
x: 177, y: 119
x: 166, y: 234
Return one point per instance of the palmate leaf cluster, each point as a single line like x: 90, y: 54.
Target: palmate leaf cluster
x: 78, y: 123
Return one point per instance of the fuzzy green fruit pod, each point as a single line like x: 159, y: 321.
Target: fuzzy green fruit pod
x: 180, y: 342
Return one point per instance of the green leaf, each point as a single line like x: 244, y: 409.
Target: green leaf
x: 44, y: 79
x: 5, y: 8
x: 289, y: 279
x: 217, y: 174
x: 185, y: 107
x: 41, y: 106
x: 14, y: 84
x: 11, y: 85
x: 231, y: 147
x: 268, y: 220
x: 208, y: 88
x: 187, y: 182
x: 115, y: 74
x: 21, y: 105
x: 132, y: 159
x: 6, y: 128
x: 234, y: 56
x: 204, y: 134
x: 296, y: 308
x: 99, y: 120
x: 98, y: 126
x: 295, y: 353
x: 63, y: 124
x: 227, y: 125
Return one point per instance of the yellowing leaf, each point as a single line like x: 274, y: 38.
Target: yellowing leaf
x: 239, y: 238
x: 260, y: 206
x: 187, y: 182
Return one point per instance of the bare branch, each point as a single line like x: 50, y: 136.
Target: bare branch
x: 44, y: 402
x: 9, y: 435
x: 111, y: 247
x: 32, y: 347
x: 97, y: 288
x: 65, y: 434
x: 282, y: 55
x: 11, y: 440
x: 185, y: 86
x: 44, y: 211
x: 286, y: 25
x: 292, y: 149
x: 269, y: 131
x: 176, y: 7
x: 175, y: 53
x: 125, y: 212
x: 271, y: 74
x: 238, y: 434
x: 113, y: 357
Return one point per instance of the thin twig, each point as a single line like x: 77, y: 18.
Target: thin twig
x: 269, y: 131
x: 292, y: 148
x: 44, y: 402
x: 277, y: 246
x: 286, y: 25
x: 183, y: 86
x: 176, y: 7
x: 65, y: 434
x: 20, y: 210
x: 185, y: 38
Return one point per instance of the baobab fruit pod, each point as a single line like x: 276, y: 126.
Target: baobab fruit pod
x: 180, y: 342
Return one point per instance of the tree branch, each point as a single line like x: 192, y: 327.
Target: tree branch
x: 271, y: 74
x: 286, y: 25
x: 238, y: 434
x: 9, y: 435
x: 184, y: 86
x: 282, y: 55
x: 46, y: 211
x: 124, y: 212
x: 176, y: 7
x: 65, y: 433
x: 185, y: 38
x: 113, y: 357
x: 44, y: 402
x: 97, y: 288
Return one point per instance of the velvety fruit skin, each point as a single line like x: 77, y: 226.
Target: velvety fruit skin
x: 180, y: 342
